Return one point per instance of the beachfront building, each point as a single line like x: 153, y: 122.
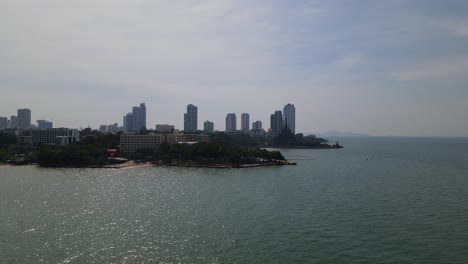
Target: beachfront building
x: 130, y: 143
x: 48, y: 136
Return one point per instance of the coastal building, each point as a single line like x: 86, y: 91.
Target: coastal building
x: 191, y: 119
x: 128, y: 122
x: 44, y: 124
x: 129, y: 143
x: 142, y: 116
x: 136, y: 120
x: 245, y: 122
x: 3, y: 123
x: 257, y: 125
x: 208, y: 127
x: 164, y: 128
x: 48, y: 136
x: 231, y: 122
x: 276, y: 122
x: 289, y: 117
x: 13, y: 121
x: 24, y: 118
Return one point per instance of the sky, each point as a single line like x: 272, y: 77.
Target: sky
x: 377, y: 67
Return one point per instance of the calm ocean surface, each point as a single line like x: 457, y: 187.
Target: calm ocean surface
x: 378, y: 200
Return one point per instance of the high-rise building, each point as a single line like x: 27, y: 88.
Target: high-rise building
x: 276, y: 122
x: 142, y: 116
x: 24, y: 118
x: 191, y: 119
x: 272, y: 123
x: 13, y: 121
x: 44, y: 124
x: 245, y: 122
x: 136, y: 118
x: 128, y: 122
x: 208, y: 127
x: 257, y: 125
x: 3, y: 123
x: 231, y: 122
x: 289, y: 117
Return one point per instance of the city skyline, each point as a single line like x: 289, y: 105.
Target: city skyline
x: 375, y: 67
x: 129, y: 122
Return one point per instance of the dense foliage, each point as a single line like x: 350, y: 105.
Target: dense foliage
x: 71, y: 155
x: 6, y: 153
x: 101, y: 140
x: 242, y: 139
x: 209, y: 153
x: 287, y: 138
x: 6, y: 149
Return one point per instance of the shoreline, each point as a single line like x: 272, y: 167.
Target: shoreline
x: 132, y: 164
x: 307, y: 147
x: 231, y: 166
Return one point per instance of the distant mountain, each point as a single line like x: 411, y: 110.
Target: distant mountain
x: 339, y: 134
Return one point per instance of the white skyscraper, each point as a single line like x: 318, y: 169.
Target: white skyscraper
x: 289, y: 117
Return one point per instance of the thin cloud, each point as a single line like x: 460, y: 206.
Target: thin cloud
x: 443, y: 68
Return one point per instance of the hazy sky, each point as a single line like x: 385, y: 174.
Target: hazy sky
x: 378, y: 67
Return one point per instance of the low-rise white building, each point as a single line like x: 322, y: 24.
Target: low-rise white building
x: 129, y: 143
x: 49, y: 136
